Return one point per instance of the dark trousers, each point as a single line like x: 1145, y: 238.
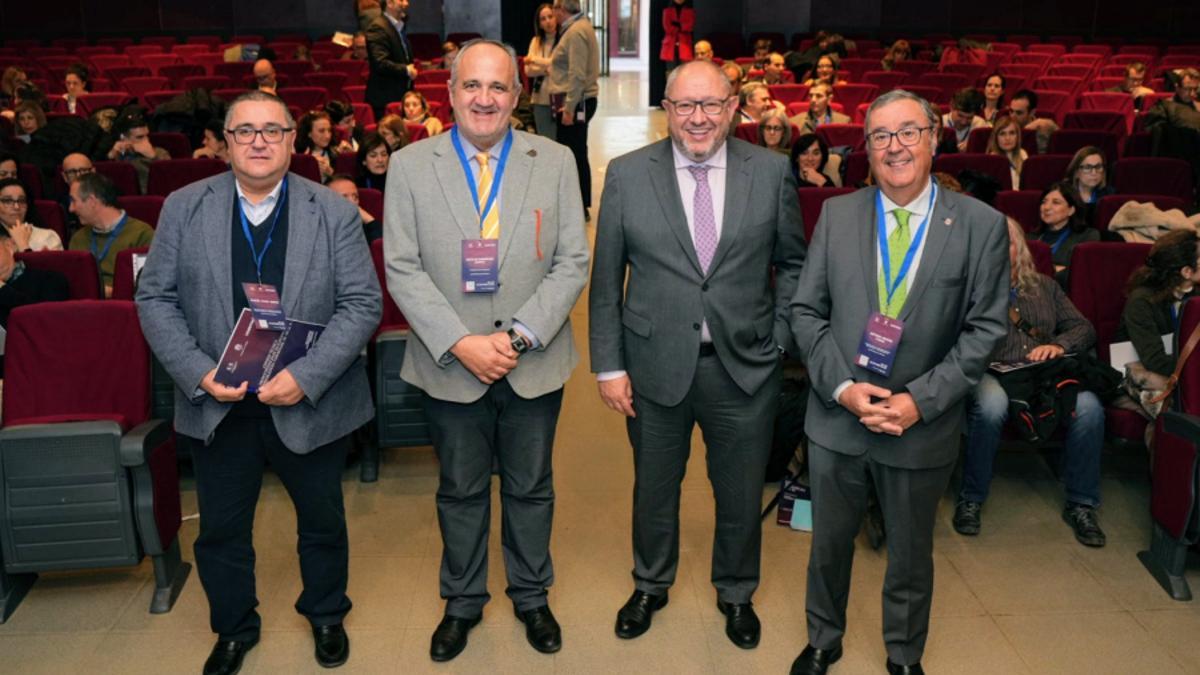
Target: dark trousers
x: 908, y: 497
x: 737, y: 435
x: 517, y: 436
x: 229, y: 475
x: 575, y: 137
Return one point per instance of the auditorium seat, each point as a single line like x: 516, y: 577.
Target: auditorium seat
x: 236, y: 71
x: 972, y: 71
x: 416, y: 131
x: 1043, y: 259
x: 145, y: 208
x: 1154, y: 176
x: 1069, y: 85
x: 87, y: 479
x: 293, y: 69
x: 305, y: 98
x: 123, y: 282
x: 746, y: 131
x: 51, y: 214
x: 849, y: 135
x: 788, y: 93
x: 356, y: 93
x: 372, y: 201
x: 176, y: 144
x: 206, y: 82
x: 1112, y: 101
x: 1069, y: 141
x: 858, y: 167
x: 932, y: 94
x: 850, y: 95
x: 886, y: 80
x: 436, y: 76
x: 852, y: 69
x: 946, y: 83
x: 330, y: 82
x: 169, y: 175
x: 1019, y: 75
x: 139, y: 86
x: 1053, y: 103
x: 79, y: 268
x: 364, y: 115
x: 178, y: 72
x: 153, y: 99
x: 811, y: 201
x: 103, y: 62
x: 355, y: 71
x: 140, y: 52
x: 1108, y: 206
x: 440, y: 94
x: 995, y: 166
x: 122, y: 174
x: 229, y: 93
x: 305, y: 166
x: 1041, y: 171
x: 914, y: 68
x: 1099, y: 120
x: 1022, y: 206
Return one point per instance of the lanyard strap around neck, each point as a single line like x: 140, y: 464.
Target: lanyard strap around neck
x: 100, y: 255
x: 889, y: 284
x: 482, y: 209
x: 257, y: 255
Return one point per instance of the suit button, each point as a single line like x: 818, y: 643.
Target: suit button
x: 695, y: 326
x: 704, y: 287
x: 499, y: 323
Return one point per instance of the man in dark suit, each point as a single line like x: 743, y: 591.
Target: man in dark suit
x: 902, y: 300
x: 260, y: 224
x: 389, y: 57
x: 697, y: 222
x: 21, y: 285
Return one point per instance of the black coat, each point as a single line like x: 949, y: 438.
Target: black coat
x: 387, y: 60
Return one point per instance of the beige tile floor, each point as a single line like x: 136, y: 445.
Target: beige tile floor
x: 1022, y: 597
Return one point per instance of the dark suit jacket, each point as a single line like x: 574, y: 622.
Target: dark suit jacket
x: 650, y: 327
x: 955, y: 315
x: 387, y: 60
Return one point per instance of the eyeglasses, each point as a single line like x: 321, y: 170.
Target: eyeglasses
x: 908, y: 137
x: 271, y: 134
x: 7, y: 174
x: 774, y: 128
x: 13, y: 201
x: 1091, y: 168
x: 76, y: 173
x: 709, y: 107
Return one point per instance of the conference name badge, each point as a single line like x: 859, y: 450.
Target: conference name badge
x: 264, y: 305
x: 480, y: 267
x: 880, y: 341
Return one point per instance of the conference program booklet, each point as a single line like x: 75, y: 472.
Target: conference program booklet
x: 255, y: 355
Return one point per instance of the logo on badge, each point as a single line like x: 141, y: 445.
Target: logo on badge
x: 863, y: 360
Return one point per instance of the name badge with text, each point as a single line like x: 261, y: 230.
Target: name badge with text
x: 480, y: 267
x: 264, y: 305
x: 880, y: 341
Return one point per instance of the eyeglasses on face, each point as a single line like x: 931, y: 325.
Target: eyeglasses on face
x: 908, y: 137
x: 76, y: 173
x: 13, y: 201
x: 1091, y: 168
x: 708, y: 107
x: 244, y: 135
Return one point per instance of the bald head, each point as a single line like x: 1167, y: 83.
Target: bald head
x: 264, y: 73
x: 700, y: 71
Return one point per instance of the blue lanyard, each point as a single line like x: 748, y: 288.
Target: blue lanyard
x: 1059, y: 242
x: 254, y: 253
x: 1175, y: 315
x: 116, y: 231
x: 466, y: 165
x: 885, y: 257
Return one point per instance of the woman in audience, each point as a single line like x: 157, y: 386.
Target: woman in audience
x: 1050, y: 327
x: 775, y: 131
x: 537, y: 67
x: 1156, y: 293
x: 373, y: 155
x: 13, y: 79
x: 993, y: 98
x: 391, y: 127
x: 1006, y: 142
x: 416, y: 111
x: 77, y: 83
x: 1087, y: 173
x: 899, y: 51
x: 21, y: 222
x: 1062, y: 226
x: 341, y: 114
x: 826, y: 71
x: 810, y: 163
x: 30, y: 118
x: 213, y: 146
x: 315, y: 138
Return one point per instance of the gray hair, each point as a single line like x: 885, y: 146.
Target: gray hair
x: 903, y: 95
x: 717, y: 70
x: 258, y: 95
x: 748, y: 90
x: 512, y: 58
x: 572, y: 6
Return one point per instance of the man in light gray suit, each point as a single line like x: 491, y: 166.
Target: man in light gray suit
x: 903, y: 299
x: 261, y: 225
x: 698, y: 222
x: 486, y: 256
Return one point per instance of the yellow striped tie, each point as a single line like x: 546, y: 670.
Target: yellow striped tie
x: 489, y: 223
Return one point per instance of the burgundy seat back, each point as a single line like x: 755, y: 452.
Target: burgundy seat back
x: 1154, y: 175
x: 392, y: 317
x: 306, y: 166
x: 122, y: 174
x: 1098, y: 120
x: 858, y: 168
x: 85, y: 357
x: 371, y: 200
x: 1070, y: 141
x: 850, y: 95
x: 992, y: 165
x: 143, y: 207
x: 1098, y: 274
x: 417, y: 131
x: 305, y: 98
x: 1108, y: 206
x: 886, y: 80
x: 1041, y: 171
x: 51, y: 214
x: 79, y: 267
x: 176, y: 144
x: 789, y: 93
x: 1043, y: 259
x: 1020, y: 205
x: 169, y: 175
x: 123, y: 282
x: 746, y: 131
x: 811, y: 201
x: 850, y: 135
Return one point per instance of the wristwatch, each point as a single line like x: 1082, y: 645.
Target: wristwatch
x: 520, y: 343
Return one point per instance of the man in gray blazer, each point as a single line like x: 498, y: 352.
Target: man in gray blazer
x: 698, y: 222
x: 903, y: 299
x: 488, y: 285
x: 574, y: 85
x: 260, y: 224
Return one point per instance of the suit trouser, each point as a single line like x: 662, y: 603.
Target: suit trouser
x: 737, y: 430
x: 909, y: 499
x: 516, y: 434
x: 229, y: 474
x: 575, y: 137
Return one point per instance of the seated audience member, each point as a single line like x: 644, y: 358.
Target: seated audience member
x: 775, y: 131
x: 315, y: 137
x: 344, y: 186
x: 341, y: 115
x: 762, y: 51
x: 77, y: 83
x: 358, y: 48
x: 811, y: 163
x: 1023, y: 107
x: 21, y: 285
x: 1050, y: 326
x: 16, y: 214
x: 1087, y: 172
x: 801, y: 63
x: 373, y: 154
x: 391, y: 127
x: 993, y: 98
x: 73, y: 166
x: 107, y: 228
x: 1062, y: 226
x: 449, y: 51
x: 1155, y: 296
x: 753, y: 100
x: 13, y: 79
x: 733, y: 73
x: 1134, y: 83
x: 8, y: 165
x: 819, y: 112
x: 899, y: 51
x: 964, y: 116
x: 214, y: 145
x: 29, y: 118
x: 105, y: 118
x: 416, y: 111
x: 264, y: 76
x: 1006, y: 141
x: 826, y: 71
x: 773, y: 70
x: 1187, y: 89
x: 702, y: 51
x: 133, y: 146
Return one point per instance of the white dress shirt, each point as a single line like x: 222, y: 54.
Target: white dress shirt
x: 257, y: 213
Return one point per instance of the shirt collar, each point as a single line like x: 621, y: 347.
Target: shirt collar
x: 918, y: 207
x: 398, y: 24
x: 717, y: 161
x: 471, y: 151
x: 271, y: 196
x: 111, y: 226
x: 17, y: 270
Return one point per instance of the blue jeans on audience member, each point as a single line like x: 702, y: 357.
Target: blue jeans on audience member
x: 987, y: 410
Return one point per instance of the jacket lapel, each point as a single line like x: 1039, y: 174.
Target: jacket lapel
x: 738, y: 182
x: 937, y: 233
x: 868, y: 251
x: 666, y: 186
x: 514, y: 184
x: 454, y: 186
x: 303, y: 230
x: 216, y: 223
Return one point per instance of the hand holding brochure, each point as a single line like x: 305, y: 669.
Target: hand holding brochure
x: 255, y: 355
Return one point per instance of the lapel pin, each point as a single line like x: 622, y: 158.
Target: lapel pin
x: 532, y: 153
x: 948, y: 221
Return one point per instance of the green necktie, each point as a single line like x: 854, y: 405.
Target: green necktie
x: 898, y: 244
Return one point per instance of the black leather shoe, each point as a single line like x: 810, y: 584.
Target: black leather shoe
x: 332, y: 645
x: 634, y: 618
x: 541, y: 629
x: 897, y: 669
x: 450, y: 638
x: 226, y: 657
x: 966, y: 517
x: 813, y: 661
x: 741, y: 624
x: 1082, y: 520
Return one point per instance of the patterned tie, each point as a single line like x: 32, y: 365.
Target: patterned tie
x: 489, y: 223
x: 898, y: 244
x: 704, y: 234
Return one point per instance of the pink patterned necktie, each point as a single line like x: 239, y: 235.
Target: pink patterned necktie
x: 704, y: 223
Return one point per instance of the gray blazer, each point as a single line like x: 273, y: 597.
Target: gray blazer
x: 185, y: 303
x: 427, y: 214
x: 651, y: 328
x: 955, y: 315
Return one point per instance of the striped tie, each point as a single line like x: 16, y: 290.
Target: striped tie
x: 489, y: 223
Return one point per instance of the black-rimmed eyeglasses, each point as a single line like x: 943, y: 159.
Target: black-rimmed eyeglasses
x: 908, y: 137
x: 245, y: 135
x: 708, y: 107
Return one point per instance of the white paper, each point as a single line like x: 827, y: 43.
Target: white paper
x: 1122, y: 353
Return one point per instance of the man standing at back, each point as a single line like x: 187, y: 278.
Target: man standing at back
x: 389, y: 57
x: 902, y: 300
x: 573, y: 86
x: 486, y: 256
x: 698, y: 222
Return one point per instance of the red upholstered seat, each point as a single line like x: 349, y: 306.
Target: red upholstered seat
x: 850, y: 95
x: 153, y: 99
x: 79, y: 267
x: 175, y: 143
x: 178, y: 72
x: 330, y: 82
x: 139, y: 86
x: 355, y: 71
x: 206, y: 82
x: 306, y: 166
x: 931, y: 94
x: 850, y: 135
x: 293, y: 69
x: 858, y: 167
x: 169, y: 175
x: 122, y: 174
x: 1041, y: 171
x: 1154, y: 175
x: 1069, y: 141
x: 305, y: 98
x: 123, y: 281
x: 356, y: 93
x: 364, y: 115
x: 440, y: 94
x: 435, y: 76
x: 886, y: 80
x: 371, y: 200
x: 143, y: 207
x: 995, y: 166
x: 789, y: 93
x: 1020, y: 205
x: 853, y: 68
x: 235, y: 70
x: 914, y: 68
x: 746, y: 131
x: 947, y: 83
x: 811, y: 201
x: 392, y: 318
x: 1108, y: 206
x: 1042, y: 257
x: 417, y: 131
x: 51, y: 214
x: 1099, y: 120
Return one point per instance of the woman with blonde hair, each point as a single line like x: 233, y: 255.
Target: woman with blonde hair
x: 392, y: 128
x: 899, y: 51
x: 1006, y: 142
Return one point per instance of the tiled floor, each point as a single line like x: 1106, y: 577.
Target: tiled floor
x: 1022, y: 597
